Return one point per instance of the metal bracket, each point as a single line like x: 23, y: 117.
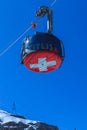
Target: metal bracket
x: 43, y: 10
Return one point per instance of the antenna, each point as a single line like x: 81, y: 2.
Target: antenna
x: 14, y: 108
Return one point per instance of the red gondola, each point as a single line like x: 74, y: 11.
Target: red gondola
x: 43, y: 52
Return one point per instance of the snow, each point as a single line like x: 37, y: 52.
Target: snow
x: 6, y: 117
x: 16, y: 121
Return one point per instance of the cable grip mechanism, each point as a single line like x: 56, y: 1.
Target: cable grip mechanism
x: 41, y: 12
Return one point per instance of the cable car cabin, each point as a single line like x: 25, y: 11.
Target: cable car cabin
x: 43, y: 52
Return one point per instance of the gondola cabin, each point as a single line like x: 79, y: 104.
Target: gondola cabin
x: 42, y: 52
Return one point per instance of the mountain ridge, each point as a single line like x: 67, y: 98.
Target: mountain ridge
x: 10, y: 121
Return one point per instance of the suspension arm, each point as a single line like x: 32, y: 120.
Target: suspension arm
x: 43, y: 10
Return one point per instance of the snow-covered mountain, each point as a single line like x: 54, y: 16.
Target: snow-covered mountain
x: 9, y: 121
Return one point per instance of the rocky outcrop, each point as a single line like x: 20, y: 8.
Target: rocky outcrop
x: 41, y: 126
x: 17, y: 122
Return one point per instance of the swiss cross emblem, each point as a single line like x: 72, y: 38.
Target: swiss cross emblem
x: 43, y: 64
x: 42, y: 61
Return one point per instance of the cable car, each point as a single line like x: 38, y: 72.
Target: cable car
x: 43, y: 52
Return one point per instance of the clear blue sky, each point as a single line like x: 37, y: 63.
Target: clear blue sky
x: 59, y: 97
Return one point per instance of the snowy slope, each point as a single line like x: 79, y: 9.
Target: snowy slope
x: 6, y: 118
x: 13, y: 121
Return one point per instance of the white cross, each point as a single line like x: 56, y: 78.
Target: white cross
x: 43, y: 64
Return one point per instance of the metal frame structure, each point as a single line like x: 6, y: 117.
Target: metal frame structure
x: 43, y: 10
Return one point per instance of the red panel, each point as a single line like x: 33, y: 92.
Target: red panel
x: 42, y: 61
